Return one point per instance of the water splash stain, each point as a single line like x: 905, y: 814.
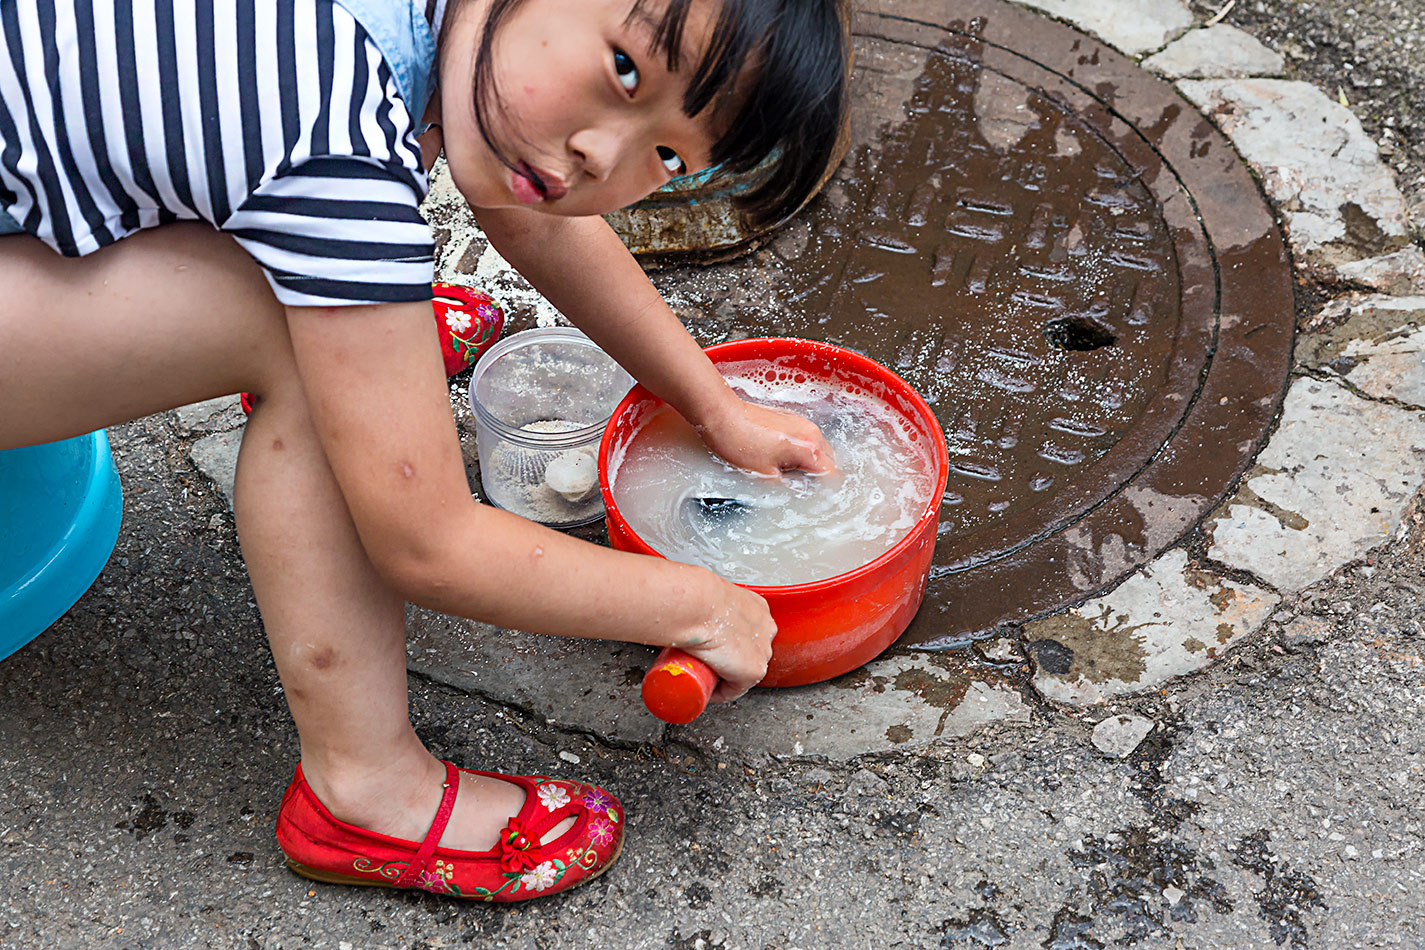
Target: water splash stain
x: 1096, y: 650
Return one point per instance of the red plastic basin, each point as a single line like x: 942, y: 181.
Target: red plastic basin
x: 827, y: 627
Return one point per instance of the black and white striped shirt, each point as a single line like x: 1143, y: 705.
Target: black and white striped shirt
x: 278, y: 121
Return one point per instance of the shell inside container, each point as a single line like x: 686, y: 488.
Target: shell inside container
x: 541, y: 400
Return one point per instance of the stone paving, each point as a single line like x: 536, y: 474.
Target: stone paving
x: 1330, y: 487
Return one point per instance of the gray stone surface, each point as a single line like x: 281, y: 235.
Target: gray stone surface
x: 1339, y: 201
x: 1332, y: 484
x: 1400, y: 273
x: 894, y: 703
x: 1370, y: 51
x: 1133, y: 26
x: 1391, y: 367
x: 1166, y: 620
x: 1217, y: 52
x: 212, y: 415
x: 1118, y: 736
x: 1373, y: 342
x: 216, y: 457
x: 584, y: 685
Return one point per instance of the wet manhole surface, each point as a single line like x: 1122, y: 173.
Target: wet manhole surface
x: 1074, y: 268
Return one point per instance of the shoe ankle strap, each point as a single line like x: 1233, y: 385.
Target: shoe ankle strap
x: 421, y: 861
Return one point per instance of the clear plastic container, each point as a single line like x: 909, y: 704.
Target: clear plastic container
x: 541, y: 400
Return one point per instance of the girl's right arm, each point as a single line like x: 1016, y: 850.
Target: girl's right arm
x: 374, y: 381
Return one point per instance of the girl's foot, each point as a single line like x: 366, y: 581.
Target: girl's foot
x: 565, y: 833
x: 401, y: 800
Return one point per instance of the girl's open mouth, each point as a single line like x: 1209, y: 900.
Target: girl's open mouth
x: 531, y: 186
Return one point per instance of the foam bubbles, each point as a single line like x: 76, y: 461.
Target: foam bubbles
x: 691, y: 506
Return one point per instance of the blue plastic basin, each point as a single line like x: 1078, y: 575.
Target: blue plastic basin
x: 60, y: 507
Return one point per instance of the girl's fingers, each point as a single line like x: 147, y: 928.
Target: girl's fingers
x: 814, y: 457
x: 726, y: 692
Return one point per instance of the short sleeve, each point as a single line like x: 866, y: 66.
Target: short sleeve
x: 336, y: 231
x: 335, y: 220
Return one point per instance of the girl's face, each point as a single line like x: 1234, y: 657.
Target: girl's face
x: 590, y: 117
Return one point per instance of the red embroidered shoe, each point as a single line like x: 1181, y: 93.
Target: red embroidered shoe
x: 468, y: 321
x: 325, y: 848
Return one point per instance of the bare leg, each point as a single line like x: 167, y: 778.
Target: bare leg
x: 180, y: 314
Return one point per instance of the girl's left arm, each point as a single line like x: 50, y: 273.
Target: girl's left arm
x: 583, y: 268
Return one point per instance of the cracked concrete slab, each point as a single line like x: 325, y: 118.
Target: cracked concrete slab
x: 1332, y: 485
x: 894, y: 703
x: 1217, y: 52
x: 1375, y: 344
x: 1133, y: 26
x: 1340, y: 202
x: 216, y: 457
x: 1353, y: 322
x: 1390, y: 368
x: 212, y: 415
x: 1401, y: 273
x: 585, y: 685
x: 1167, y: 620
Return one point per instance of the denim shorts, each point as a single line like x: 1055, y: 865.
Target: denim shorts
x: 9, y: 225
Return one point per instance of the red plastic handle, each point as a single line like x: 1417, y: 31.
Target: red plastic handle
x: 678, y: 686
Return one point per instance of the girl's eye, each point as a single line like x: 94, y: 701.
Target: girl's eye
x: 671, y: 161
x: 626, y: 70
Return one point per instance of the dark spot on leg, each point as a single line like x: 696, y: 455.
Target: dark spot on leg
x: 324, y: 659
x: 277, y: 445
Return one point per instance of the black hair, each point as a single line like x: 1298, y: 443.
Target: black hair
x: 791, y: 111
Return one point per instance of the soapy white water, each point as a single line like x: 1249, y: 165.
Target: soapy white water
x: 793, y: 529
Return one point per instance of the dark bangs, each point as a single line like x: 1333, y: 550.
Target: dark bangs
x: 792, y: 106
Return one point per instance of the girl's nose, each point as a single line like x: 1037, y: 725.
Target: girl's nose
x: 597, y: 150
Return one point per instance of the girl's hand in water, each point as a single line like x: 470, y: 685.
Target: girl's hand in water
x: 768, y: 441
x: 731, y: 631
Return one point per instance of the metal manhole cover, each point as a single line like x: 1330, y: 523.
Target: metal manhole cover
x: 1077, y: 271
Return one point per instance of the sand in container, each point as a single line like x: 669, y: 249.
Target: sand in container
x: 691, y: 506
x: 541, y: 399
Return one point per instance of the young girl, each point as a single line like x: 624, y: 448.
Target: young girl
x: 262, y: 162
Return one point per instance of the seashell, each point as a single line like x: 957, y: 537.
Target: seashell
x: 573, y: 474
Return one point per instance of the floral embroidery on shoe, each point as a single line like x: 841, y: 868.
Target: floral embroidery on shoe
x: 601, y: 832
x: 596, y: 800
x: 457, y: 320
x: 553, y: 796
x: 472, y: 322
x: 541, y: 877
